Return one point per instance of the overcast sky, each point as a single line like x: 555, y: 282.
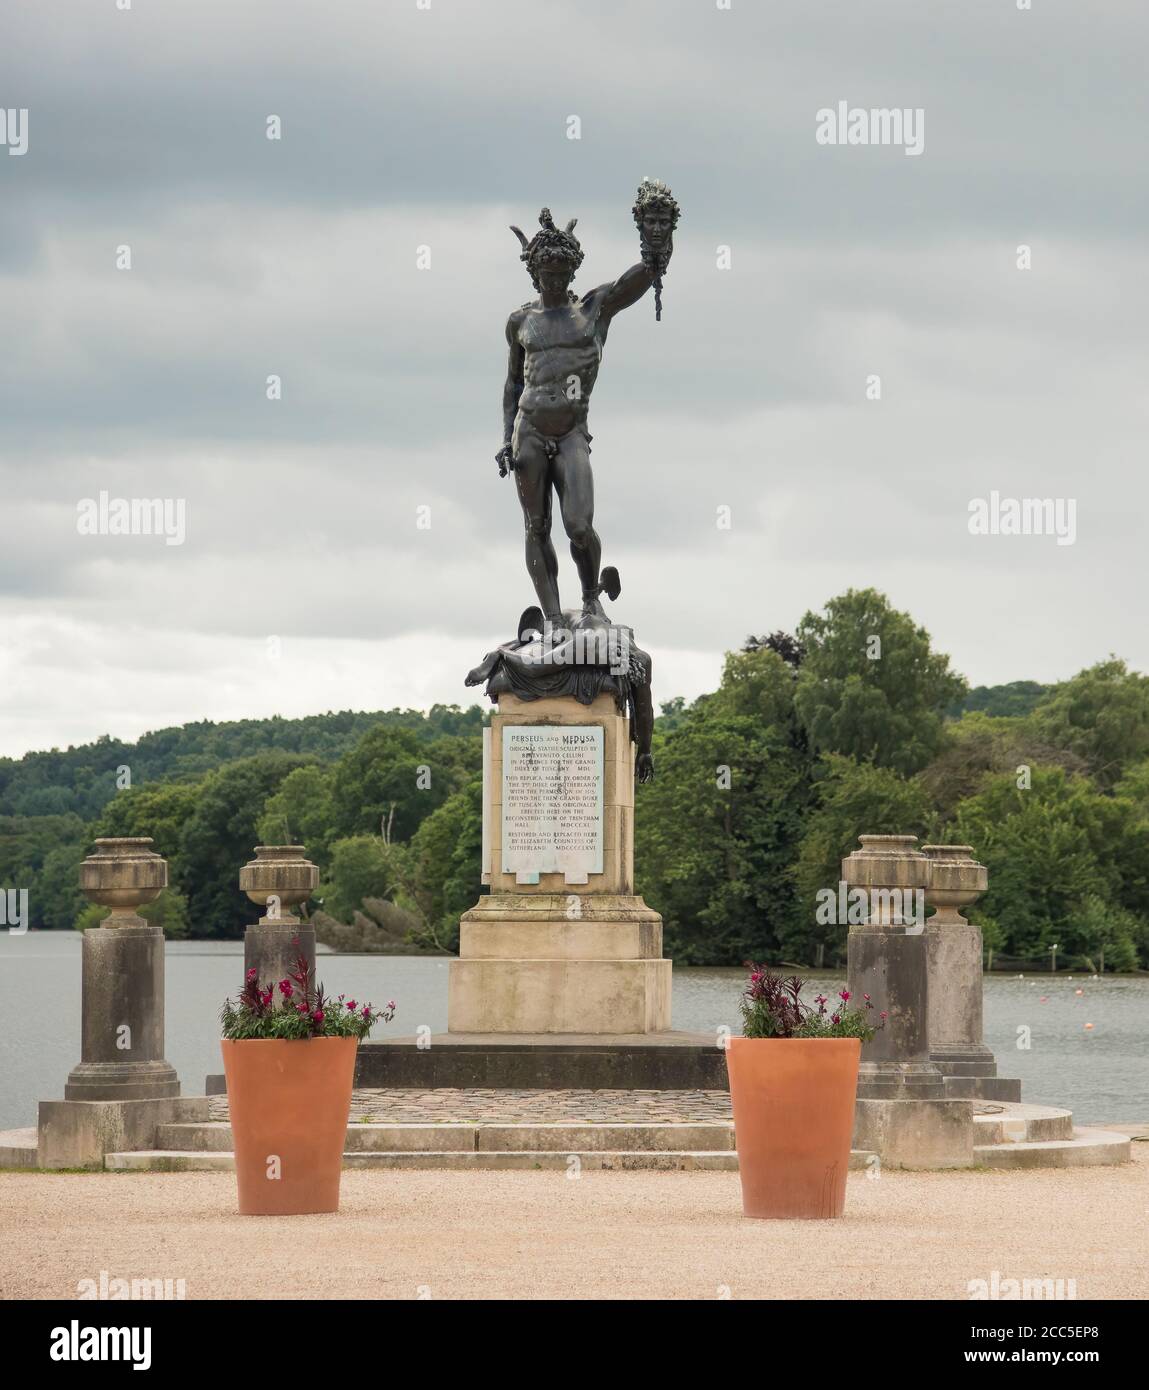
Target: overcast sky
x: 405, y: 127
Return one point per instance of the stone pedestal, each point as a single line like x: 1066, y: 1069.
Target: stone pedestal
x: 562, y: 944
x: 122, y: 1048
x: 278, y: 878
x: 953, y: 956
x: 886, y: 959
x: 122, y: 1090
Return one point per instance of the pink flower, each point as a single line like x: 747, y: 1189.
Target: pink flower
x: 844, y: 995
x: 351, y: 1004
x: 252, y: 973
x: 883, y: 1014
x: 366, y: 1010
x: 865, y: 996
x: 835, y: 1018
x: 285, y: 989
x: 301, y: 1008
x: 317, y: 1016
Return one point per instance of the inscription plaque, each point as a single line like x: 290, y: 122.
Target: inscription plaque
x: 552, y: 800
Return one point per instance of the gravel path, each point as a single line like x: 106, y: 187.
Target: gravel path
x: 605, y: 1235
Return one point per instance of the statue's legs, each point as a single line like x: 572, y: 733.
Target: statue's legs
x: 574, y: 484
x: 533, y: 471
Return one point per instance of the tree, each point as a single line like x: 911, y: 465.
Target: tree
x: 160, y: 810
x: 1041, y: 845
x: 444, y: 867
x: 715, y: 832
x: 1102, y: 715
x: 387, y: 784
x: 42, y: 854
x: 362, y: 866
x: 851, y: 799
x: 300, y: 811
x: 1108, y: 934
x: 978, y: 745
x: 220, y: 837
x: 1016, y: 698
x: 870, y: 686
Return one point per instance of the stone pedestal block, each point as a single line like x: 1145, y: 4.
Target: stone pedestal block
x: 122, y: 1032
x: 562, y: 944
x: 78, y: 1133
x: 954, y: 953
x: 886, y: 959
x: 915, y: 1133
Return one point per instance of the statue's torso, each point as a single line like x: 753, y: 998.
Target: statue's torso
x: 562, y: 349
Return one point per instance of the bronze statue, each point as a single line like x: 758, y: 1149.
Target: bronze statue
x: 556, y: 344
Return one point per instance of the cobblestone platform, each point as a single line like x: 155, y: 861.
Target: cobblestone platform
x: 481, y: 1106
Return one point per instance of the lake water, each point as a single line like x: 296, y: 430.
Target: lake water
x: 1101, y: 1073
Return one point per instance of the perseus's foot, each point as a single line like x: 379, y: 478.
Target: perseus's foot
x: 592, y: 609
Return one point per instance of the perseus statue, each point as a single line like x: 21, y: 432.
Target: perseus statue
x: 556, y: 344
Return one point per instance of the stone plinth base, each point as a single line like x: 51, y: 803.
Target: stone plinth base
x: 559, y: 996
x: 78, y: 1133
x: 546, y: 1062
x: 900, y: 1081
x: 549, y: 952
x: 916, y: 1133
x: 117, y: 1081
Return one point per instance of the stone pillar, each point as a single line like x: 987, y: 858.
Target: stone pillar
x: 278, y: 878
x: 122, y: 1054
x: 568, y: 948
x: 953, y: 952
x: 886, y: 959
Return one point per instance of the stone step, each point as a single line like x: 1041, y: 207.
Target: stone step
x: 1086, y: 1148
x: 18, y: 1148
x: 615, y: 1160
x: 995, y: 1088
x: 1021, y: 1124
x: 965, y: 1068
x: 215, y: 1136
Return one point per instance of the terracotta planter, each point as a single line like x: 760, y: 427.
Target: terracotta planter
x: 793, y: 1102
x: 289, y: 1104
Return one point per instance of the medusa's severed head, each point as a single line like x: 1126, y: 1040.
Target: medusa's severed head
x: 551, y: 256
x: 655, y: 214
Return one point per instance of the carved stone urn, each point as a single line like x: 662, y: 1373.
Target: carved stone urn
x: 279, y: 878
x: 893, y: 872
x: 956, y: 879
x: 123, y: 874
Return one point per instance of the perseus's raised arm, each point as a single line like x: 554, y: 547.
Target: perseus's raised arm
x: 628, y: 289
